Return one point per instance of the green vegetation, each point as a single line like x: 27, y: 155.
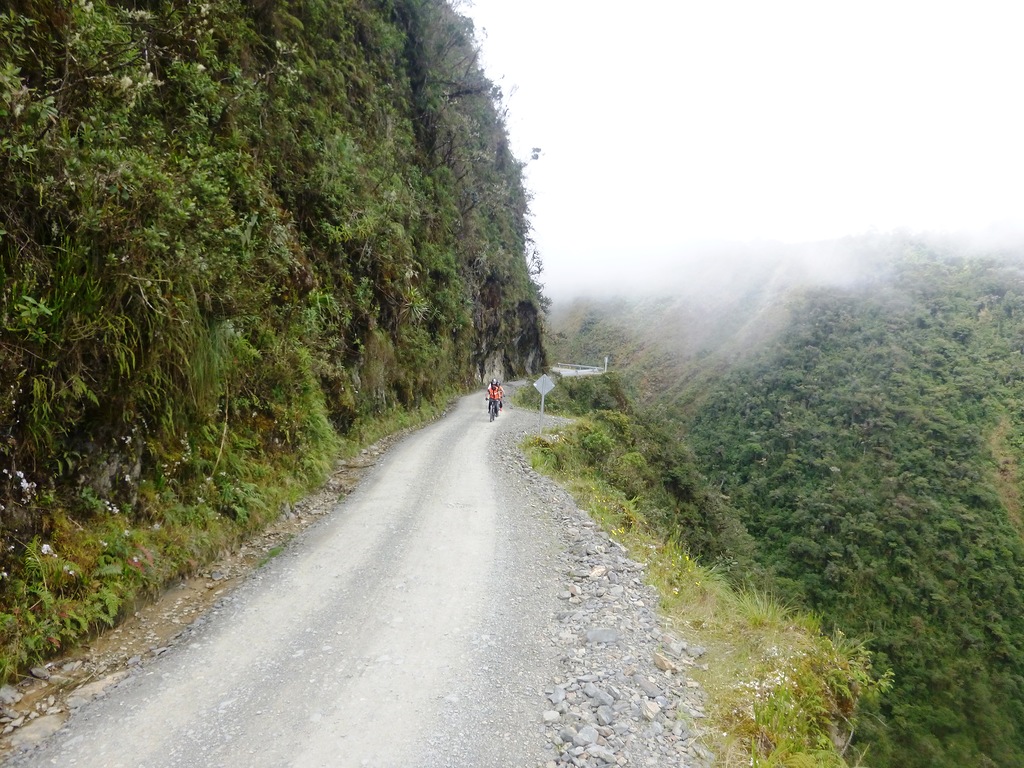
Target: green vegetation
x: 271, y: 554
x: 780, y: 691
x: 870, y: 446
x: 235, y: 238
x: 656, y: 475
x: 863, y: 449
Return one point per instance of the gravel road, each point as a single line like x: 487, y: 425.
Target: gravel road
x: 442, y: 615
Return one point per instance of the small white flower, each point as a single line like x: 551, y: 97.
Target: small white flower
x: 46, y: 549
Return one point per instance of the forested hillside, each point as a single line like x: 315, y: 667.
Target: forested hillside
x: 232, y: 235
x: 870, y: 443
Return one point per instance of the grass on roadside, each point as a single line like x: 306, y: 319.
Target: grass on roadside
x: 368, y: 431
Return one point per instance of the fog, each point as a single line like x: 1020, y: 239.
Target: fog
x: 683, y: 141
x: 704, y: 268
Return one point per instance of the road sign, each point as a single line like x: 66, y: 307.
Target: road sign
x: 544, y: 385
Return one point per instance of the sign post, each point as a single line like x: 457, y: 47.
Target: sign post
x: 543, y: 385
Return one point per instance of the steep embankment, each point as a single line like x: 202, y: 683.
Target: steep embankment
x: 870, y: 448
x: 231, y: 235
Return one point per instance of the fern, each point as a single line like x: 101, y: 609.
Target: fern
x: 109, y: 604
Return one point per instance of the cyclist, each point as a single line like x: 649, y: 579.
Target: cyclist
x: 494, y: 395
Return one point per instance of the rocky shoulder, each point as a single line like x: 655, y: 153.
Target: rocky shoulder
x: 622, y: 693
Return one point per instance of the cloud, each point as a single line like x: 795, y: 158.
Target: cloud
x: 665, y: 123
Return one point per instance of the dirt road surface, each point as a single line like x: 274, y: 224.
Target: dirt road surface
x: 403, y: 629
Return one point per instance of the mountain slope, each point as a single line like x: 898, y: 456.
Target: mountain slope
x: 871, y: 447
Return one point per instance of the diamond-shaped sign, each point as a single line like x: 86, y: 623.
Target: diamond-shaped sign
x: 544, y: 384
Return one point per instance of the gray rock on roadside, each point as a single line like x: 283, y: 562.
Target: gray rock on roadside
x: 602, y: 635
x: 37, y: 730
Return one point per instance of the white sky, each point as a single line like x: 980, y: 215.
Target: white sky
x: 665, y: 122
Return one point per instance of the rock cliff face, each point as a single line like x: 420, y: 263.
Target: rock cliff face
x: 510, y: 334
x: 231, y: 234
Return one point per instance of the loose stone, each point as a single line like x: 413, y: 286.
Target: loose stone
x: 586, y: 736
x: 601, y: 753
x: 650, y: 709
x: 645, y: 685
x: 602, y: 635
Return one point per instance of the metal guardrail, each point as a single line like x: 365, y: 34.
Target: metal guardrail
x: 573, y: 369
